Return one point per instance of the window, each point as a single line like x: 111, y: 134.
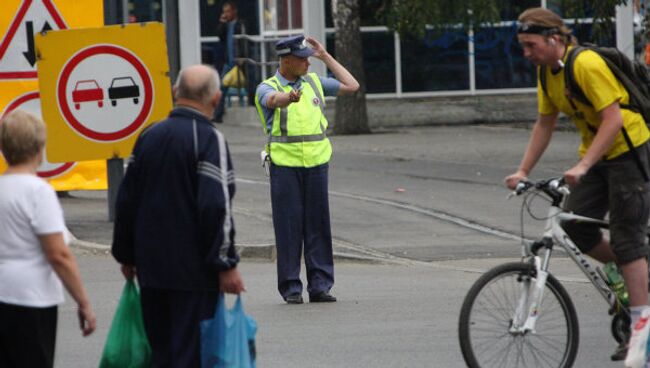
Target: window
x: 368, y: 10
x: 499, y: 60
x: 211, y: 11
x: 378, y: 62
x: 280, y: 15
x: 435, y: 62
x: 145, y: 11
x: 584, y: 33
x: 567, y: 11
x: 511, y: 9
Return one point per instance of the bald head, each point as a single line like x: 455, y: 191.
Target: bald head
x: 197, y: 83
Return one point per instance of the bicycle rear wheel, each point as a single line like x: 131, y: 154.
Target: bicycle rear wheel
x: 486, y: 317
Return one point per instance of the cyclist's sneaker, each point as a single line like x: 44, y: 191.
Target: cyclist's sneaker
x: 636, y: 354
x: 620, y: 353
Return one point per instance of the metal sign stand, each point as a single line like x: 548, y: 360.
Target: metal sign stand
x: 115, y: 171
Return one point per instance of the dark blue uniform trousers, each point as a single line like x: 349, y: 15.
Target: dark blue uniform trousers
x: 172, y: 322
x: 301, y: 216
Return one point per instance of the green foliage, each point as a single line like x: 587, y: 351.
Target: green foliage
x: 602, y: 12
x: 413, y: 17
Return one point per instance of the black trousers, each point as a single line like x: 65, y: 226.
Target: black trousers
x: 27, y: 336
x: 172, y: 322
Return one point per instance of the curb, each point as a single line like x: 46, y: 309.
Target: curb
x: 257, y: 251
x: 86, y: 245
x: 249, y: 251
x: 246, y: 251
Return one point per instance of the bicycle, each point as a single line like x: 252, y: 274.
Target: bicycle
x: 518, y: 314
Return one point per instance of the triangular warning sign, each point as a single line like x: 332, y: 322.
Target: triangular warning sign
x: 17, y: 51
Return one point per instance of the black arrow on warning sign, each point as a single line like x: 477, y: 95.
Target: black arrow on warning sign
x: 30, y: 54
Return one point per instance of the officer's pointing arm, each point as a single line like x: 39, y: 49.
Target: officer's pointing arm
x: 282, y: 99
x: 348, y: 83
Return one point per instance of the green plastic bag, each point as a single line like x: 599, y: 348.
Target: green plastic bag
x: 127, y: 345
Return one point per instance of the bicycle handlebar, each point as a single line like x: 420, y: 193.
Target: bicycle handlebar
x: 556, y: 188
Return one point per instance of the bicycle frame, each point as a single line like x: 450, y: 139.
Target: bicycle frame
x: 527, y: 313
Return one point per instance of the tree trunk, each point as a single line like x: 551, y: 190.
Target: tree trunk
x: 351, y: 114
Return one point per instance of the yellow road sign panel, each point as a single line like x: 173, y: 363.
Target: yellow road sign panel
x: 87, y: 175
x: 100, y: 87
x: 21, y: 19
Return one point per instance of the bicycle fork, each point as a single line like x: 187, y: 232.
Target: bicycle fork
x: 531, y: 297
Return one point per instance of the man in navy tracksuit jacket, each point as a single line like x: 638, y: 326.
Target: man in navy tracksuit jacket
x: 173, y: 222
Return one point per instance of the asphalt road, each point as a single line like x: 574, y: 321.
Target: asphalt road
x: 425, y: 204
x: 388, y: 315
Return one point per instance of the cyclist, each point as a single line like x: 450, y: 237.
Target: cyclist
x: 608, y: 177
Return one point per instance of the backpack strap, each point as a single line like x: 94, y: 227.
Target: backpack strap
x: 542, y: 78
x: 573, y: 90
x: 635, y: 156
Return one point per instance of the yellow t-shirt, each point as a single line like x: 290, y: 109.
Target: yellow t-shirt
x: 601, y: 88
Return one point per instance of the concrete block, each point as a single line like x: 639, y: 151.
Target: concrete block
x: 257, y: 251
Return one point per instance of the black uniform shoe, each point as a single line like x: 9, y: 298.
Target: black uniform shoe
x: 294, y: 299
x: 323, y: 297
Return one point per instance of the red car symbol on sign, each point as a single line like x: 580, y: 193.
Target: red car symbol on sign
x: 87, y: 91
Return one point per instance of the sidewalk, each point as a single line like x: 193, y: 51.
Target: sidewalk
x: 417, y: 166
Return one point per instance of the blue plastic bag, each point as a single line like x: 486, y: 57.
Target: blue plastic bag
x: 228, y: 340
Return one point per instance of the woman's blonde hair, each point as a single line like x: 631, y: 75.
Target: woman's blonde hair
x: 22, y: 137
x: 546, y: 18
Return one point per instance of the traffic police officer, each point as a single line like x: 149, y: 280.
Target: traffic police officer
x: 291, y: 106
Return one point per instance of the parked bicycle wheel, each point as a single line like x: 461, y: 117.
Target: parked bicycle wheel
x: 484, y: 329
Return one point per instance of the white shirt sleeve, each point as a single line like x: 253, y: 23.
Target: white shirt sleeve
x: 47, y: 217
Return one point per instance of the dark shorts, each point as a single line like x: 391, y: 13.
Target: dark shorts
x: 616, y: 186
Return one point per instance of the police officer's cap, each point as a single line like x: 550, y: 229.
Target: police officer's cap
x: 294, y: 45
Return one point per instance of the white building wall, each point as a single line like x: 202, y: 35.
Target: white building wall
x: 313, y: 21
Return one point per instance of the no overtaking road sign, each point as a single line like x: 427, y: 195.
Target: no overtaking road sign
x: 100, y: 87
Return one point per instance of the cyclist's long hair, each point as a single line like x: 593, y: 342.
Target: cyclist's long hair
x: 546, y: 18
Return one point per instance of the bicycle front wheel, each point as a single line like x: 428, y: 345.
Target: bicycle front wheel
x: 484, y: 328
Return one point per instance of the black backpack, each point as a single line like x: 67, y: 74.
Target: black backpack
x: 633, y: 75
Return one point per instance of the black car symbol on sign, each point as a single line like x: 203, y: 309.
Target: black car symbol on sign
x: 123, y: 87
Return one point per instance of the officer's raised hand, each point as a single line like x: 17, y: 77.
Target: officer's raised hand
x: 319, y: 50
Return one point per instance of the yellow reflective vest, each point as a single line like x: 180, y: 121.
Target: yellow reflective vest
x: 297, y: 137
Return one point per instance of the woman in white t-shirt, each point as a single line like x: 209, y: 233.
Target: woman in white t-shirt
x: 34, y: 256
